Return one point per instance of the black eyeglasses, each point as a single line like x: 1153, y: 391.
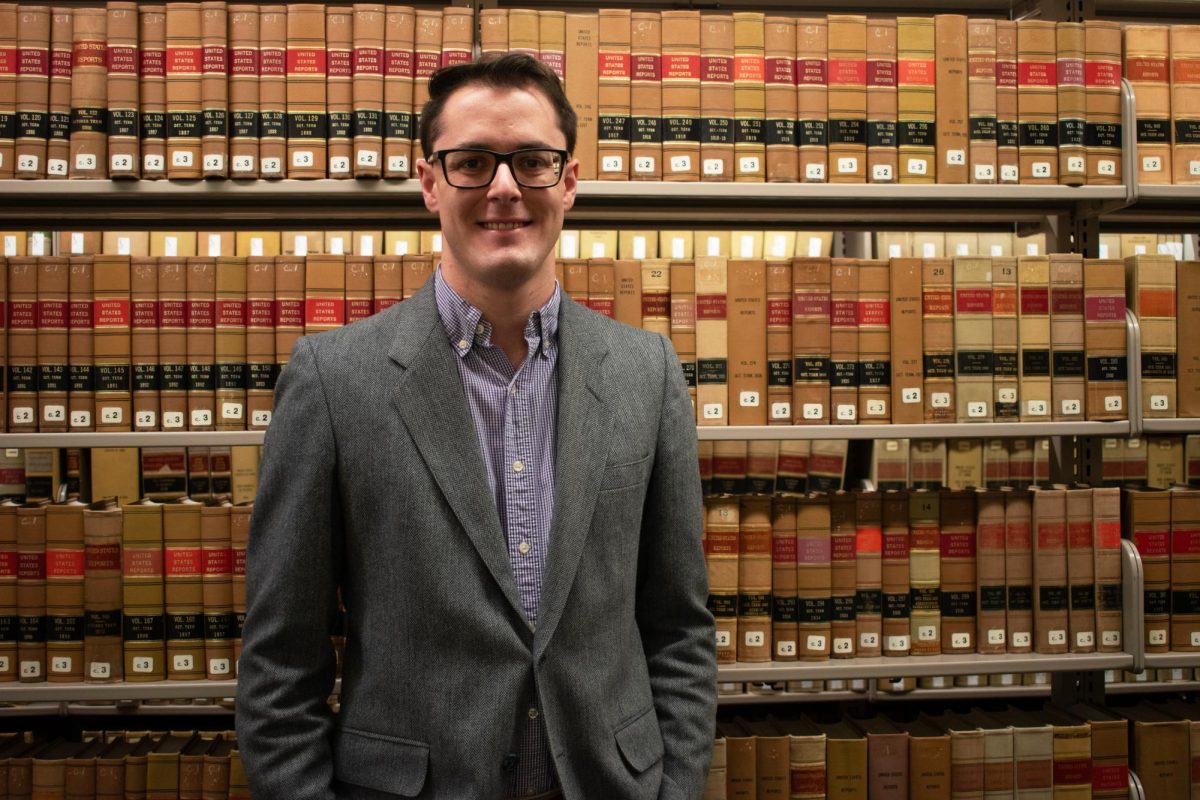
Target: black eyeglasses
x: 475, y: 168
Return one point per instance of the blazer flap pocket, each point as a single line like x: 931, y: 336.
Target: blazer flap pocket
x: 640, y: 741
x: 380, y: 762
x: 618, y: 476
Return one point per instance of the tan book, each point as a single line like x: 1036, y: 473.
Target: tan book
x: 784, y: 616
x: 102, y: 651
x: 990, y: 576
x: 1187, y: 281
x: 325, y: 293
x: 1037, y: 101
x: 1147, y: 68
x: 896, y: 605
x: 754, y: 580
x: 368, y: 58
x: 151, y: 91
x: 924, y: 572
x: 721, y: 535
x: 964, y: 464
x: 1067, y: 357
x: 307, y: 95
x: 1150, y: 290
x: 683, y: 320
x: 1160, y: 749
x: 656, y: 296
x: 730, y: 465
x: 272, y: 91
x: 1081, y: 572
x: 889, y: 464
x: 811, y: 341
x: 81, y: 373
x: 845, y: 761
x: 843, y: 574
x: 1072, y: 103
x: 1109, y: 750
x: 214, y: 89
x: 916, y: 100
x: 1050, y: 581
x: 64, y: 592
x: 843, y: 341
x: 1102, y: 82
x: 929, y: 772
x: 779, y: 372
x: 1104, y: 339
x: 1136, y: 463
x: 981, y: 102
x: 9, y: 600
x: 339, y: 90
x: 122, y: 90
x: 217, y: 589
x: 747, y: 341
x: 184, y: 71
x: 937, y: 337
x: 1033, y: 325
x: 613, y: 94
x: 173, y: 342
x: 417, y: 269
x: 967, y: 749
x: 814, y: 576
x: 827, y: 465
x: 1018, y: 570
x: 952, y: 109
x: 399, y: 121
x: 712, y: 341
x: 143, y: 343
x: 89, y: 94
x: 53, y: 281
x: 1005, y: 370
x: 973, y: 355
x: 1106, y: 540
x: 645, y: 96
x: 110, y: 313
x: 1185, y: 577
x: 749, y: 65
x: 31, y: 592
x: 243, y: 88
x: 812, y: 100
x: 681, y: 95
x: 58, y: 141
x: 31, y: 86
x: 907, y: 354
x: 551, y: 40
x: 201, y: 285
x: 22, y: 341
x: 260, y: 370
x: 458, y: 36
x: 1185, y: 92
x: 780, y: 99
x: 847, y: 98
x: 239, y: 536
x: 927, y: 463
x: 868, y: 587
x: 183, y: 572
x: 582, y: 64
x: 741, y: 759
x: 791, y: 479
x: 230, y: 320
x: 874, y: 342
x: 957, y: 541
x: 1007, y: 130
x: 882, y: 154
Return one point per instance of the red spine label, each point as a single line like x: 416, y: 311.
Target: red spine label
x: 1066, y: 301
x: 358, y: 309
x: 368, y: 61
x: 1185, y: 70
x: 1073, y: 772
x: 200, y: 313
x: 22, y: 315
x: 881, y: 73
x: 110, y: 314
x: 748, y: 68
x: 306, y: 61
x: 614, y: 65
x: 182, y: 561
x: 1079, y: 535
x: 64, y: 563
x: 1145, y: 68
x: 290, y: 313
x: 153, y: 63
x: 721, y: 543
x: 215, y: 59
x: 33, y: 61
x: 973, y: 301
x: 815, y: 549
x: 1051, y: 535
x: 811, y: 304
x: 1152, y: 543
x: 122, y: 60
x: 937, y: 302
x: 680, y: 67
x: 868, y: 540
x: 1102, y: 73
x: 341, y: 64
x: 231, y: 313
x: 145, y: 314
x: 1108, y: 308
x: 1110, y: 778
x: 957, y: 545
x: 239, y: 561
x: 781, y: 71
x: 1035, y: 300
x: 716, y: 69
x: 710, y: 306
x: 783, y: 549
x: 427, y: 63
x: 646, y: 67
x: 843, y: 314
x: 895, y: 545
x: 218, y: 561
x: 324, y: 311
x: 8, y: 563
x: 31, y: 566
x: 811, y: 72
x: 842, y: 547
x: 88, y: 54
x: 874, y: 312
x: 60, y: 64
x: 916, y: 72
x: 847, y: 71
x: 1006, y: 73
x: 142, y: 563
x: 184, y: 60
x: 102, y: 557
x: 1070, y: 72
x: 81, y: 314
x: 1185, y: 542
x: 1036, y: 73
x: 52, y: 314
x: 982, y: 67
x: 243, y: 61
x: 261, y: 314
x: 272, y: 61
x: 991, y: 536
x: 1108, y: 535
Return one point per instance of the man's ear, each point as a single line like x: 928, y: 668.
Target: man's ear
x: 570, y: 181
x: 428, y: 179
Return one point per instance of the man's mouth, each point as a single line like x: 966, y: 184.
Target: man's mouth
x: 503, y: 226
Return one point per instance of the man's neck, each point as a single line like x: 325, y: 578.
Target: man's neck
x: 507, y: 310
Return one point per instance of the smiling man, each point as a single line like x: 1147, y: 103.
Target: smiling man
x: 503, y: 485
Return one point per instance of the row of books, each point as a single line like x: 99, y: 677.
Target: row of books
x: 918, y: 573
x: 111, y: 765
x: 1078, y: 751
x: 931, y: 244
x: 106, y: 593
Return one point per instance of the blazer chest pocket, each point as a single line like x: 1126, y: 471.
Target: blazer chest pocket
x: 383, y: 763
x: 622, y: 476
x: 640, y: 741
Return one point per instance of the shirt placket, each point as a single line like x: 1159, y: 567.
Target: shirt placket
x: 519, y: 487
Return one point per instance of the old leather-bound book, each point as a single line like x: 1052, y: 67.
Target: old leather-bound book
x: 89, y: 94
x: 244, y: 68
x: 1185, y: 93
x: 81, y: 372
x: 990, y: 577
x: 882, y: 153
x: 811, y: 340
x: 847, y: 98
x: 102, y: 534
x: 1151, y: 291
x: 53, y: 282
x: 31, y: 592
x: 868, y: 586
x: 152, y: 90
x: 58, y: 142
x: 339, y: 89
x: 812, y: 100
x: 1148, y: 70
x: 916, y: 100
x: 973, y: 355
x: 110, y: 317
x: 613, y: 94
x: 924, y: 521
x: 937, y: 336
x: 712, y: 341
x: 957, y: 542
x: 1102, y: 75
x: 754, y: 580
x: 307, y: 71
x: 201, y: 292
x: 981, y: 102
x: 214, y: 89
x: 1160, y: 751
x: 721, y: 534
x: 399, y: 121
x: 183, y: 572
x: 1107, y: 371
x: 843, y: 341
x: 272, y: 91
x: 1050, y: 588
x: 681, y: 95
x: 1067, y: 359
x: 1007, y: 127
x: 843, y: 574
x: 747, y: 341
x: 122, y: 90
x: 749, y: 96
x: 31, y: 91
x: 1081, y: 571
x: 1033, y: 325
x: 1037, y: 101
x: 952, y: 109
x: 645, y: 96
x: 1072, y: 104
x: 184, y: 79
x: 1109, y: 735
x: 895, y: 575
x: 813, y: 577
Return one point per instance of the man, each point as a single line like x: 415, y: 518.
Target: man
x: 504, y: 485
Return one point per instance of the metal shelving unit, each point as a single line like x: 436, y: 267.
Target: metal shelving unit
x: 990, y: 430
x: 916, y: 667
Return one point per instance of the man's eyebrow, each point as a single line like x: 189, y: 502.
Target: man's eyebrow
x: 478, y: 145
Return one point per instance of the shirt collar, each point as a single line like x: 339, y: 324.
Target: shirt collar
x: 465, y: 326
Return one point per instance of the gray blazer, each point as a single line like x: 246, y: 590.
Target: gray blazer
x: 372, y: 480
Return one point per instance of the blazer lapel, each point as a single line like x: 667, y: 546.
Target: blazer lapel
x: 430, y: 398
x: 584, y: 423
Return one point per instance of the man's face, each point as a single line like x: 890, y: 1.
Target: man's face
x: 501, y: 235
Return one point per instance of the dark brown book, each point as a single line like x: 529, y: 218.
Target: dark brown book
x: 214, y: 89
x: 48, y: 769
x: 244, y: 66
x: 1185, y: 569
x: 163, y: 766
x: 79, y: 779
x: 32, y: 87
x: 215, y: 781
x: 747, y: 342
x: 143, y: 343
x: 102, y: 533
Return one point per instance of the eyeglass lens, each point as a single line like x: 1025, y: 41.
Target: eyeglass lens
x: 470, y: 169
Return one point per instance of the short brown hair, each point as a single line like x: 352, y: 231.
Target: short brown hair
x: 507, y: 71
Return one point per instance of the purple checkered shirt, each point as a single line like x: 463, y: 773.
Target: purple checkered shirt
x: 515, y: 414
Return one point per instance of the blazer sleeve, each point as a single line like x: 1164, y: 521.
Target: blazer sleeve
x: 678, y: 632
x: 287, y: 667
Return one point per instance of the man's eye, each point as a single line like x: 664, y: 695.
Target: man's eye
x: 470, y: 163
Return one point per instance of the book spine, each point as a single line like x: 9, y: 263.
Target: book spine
x: 21, y: 376
x: 847, y: 98
x: 937, y: 336
x: 681, y: 95
x: 906, y: 347
x: 552, y: 37
x: 324, y: 293
x: 916, y: 101
x: 1106, y: 538
x: 683, y: 321
x: 9, y: 60
x: 89, y: 94
x: 1008, y: 132
x: 1185, y: 92
x: 1150, y: 280
x: 1072, y: 761
x: 122, y: 90
x: 868, y: 586
x: 152, y: 90
x: 1147, y: 67
x: 843, y: 341
x: 1187, y: 311
x: 1081, y: 572
x: 784, y: 609
x: 360, y: 283
x: 244, y: 79
x: 183, y: 591
x: 1067, y: 357
x: 973, y: 355
x: 289, y: 306
x: 32, y: 118
x: 81, y: 352
x: 746, y: 334
x: 339, y: 90
x: 951, y: 103
x: 143, y: 629
x: 1050, y: 612
x: 645, y: 96
x: 184, y: 93
x: 31, y: 593
x: 957, y: 543
x: 1005, y: 364
x: 1072, y: 104
x: 1018, y: 566
x: 827, y: 465
x: 214, y: 89
x: 370, y: 31
x: 53, y: 282
x: 111, y: 317
x: 981, y: 101
x: 272, y: 90
x: 200, y: 323
x: 995, y: 464
x: 1110, y: 758
x: 173, y: 342
x: 1033, y: 325
x: 1102, y: 82
x: 64, y: 593
x: 307, y: 73
x: 1185, y: 569
x: 217, y: 589
x: 749, y: 96
x: 146, y: 375
x: 1037, y: 101
x: 102, y: 595
x: 874, y: 342
x: 882, y: 153
x: 58, y: 142
x: 779, y: 81
x: 754, y: 580
x: 656, y: 296
x: 399, y: 69
x: 812, y: 98
x: 615, y: 74
x: 814, y: 605
x: 9, y: 619
x: 230, y: 329
x: 493, y: 31
x: 239, y: 535
x: 811, y: 340
x: 895, y: 576
x: 779, y: 342
x: 843, y: 560
x: 992, y: 624
x: 721, y: 548
x: 581, y: 60
x: 925, y: 577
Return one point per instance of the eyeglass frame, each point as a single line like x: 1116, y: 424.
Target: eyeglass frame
x: 502, y: 158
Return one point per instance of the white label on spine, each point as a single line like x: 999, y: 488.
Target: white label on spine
x: 843, y: 646
x: 785, y: 648
x: 898, y: 643
x: 339, y: 165
x: 1085, y: 639
x: 748, y: 165
x: 847, y: 165
x: 612, y: 164
x: 99, y: 670
x: 1070, y: 408
x: 754, y: 639
x: 846, y: 411
x: 724, y: 639
x: 939, y: 400
x: 145, y: 419
x: 996, y: 636
x: 231, y: 410
x: 814, y: 172
x: 112, y: 415
x: 910, y: 395
x: 956, y: 158
x: 1152, y: 164
x: 81, y: 419
x: 748, y: 399
x: 643, y: 165
x: 714, y: 166
x: 86, y: 161
x: 397, y: 163
x: 1158, y: 636
x: 815, y: 643
x: 917, y: 166
x: 813, y: 411
x: 876, y: 408
x: 367, y: 158
x: 881, y: 173
x: 1056, y: 637
x: 242, y: 164
x: 1009, y: 173
x: 960, y: 640
x: 1106, y: 167
x: 927, y: 633
x: 173, y: 419
x: 181, y: 158
x: 143, y: 664
x: 713, y: 411
x: 681, y: 163
x: 260, y: 418
x: 781, y: 410
x: 1041, y: 169
x: 1113, y: 639
x: 976, y: 410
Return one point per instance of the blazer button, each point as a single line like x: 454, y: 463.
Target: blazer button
x: 510, y: 761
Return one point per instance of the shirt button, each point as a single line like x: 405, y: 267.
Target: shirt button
x: 524, y: 548
x: 510, y: 761
x: 513, y: 391
x: 533, y: 713
x: 518, y: 466
x: 479, y: 329
x: 462, y: 344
